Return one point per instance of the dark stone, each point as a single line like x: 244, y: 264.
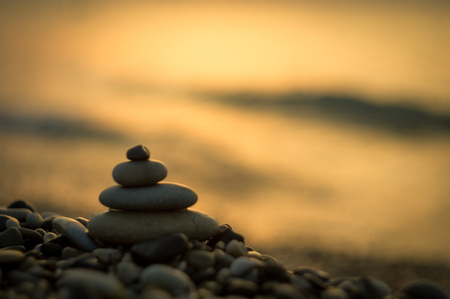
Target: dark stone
x: 20, y: 248
x: 3, y: 219
x: 29, y: 244
x: 223, y: 260
x: 77, y: 291
x: 10, y: 237
x: 324, y: 276
x: 242, y: 287
x: 287, y: 291
x: 423, y: 289
x: 138, y: 153
x: 31, y: 235
x: 317, y: 283
x: 274, y: 273
x: 22, y: 204
x: 89, y: 261
x: 225, y: 234
x: 50, y: 265
x: 205, y: 274
x: 160, y: 249
x: 47, y: 224
x: 19, y: 214
x: 51, y: 249
x: 61, y: 240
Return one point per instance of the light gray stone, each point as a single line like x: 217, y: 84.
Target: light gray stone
x: 139, y: 173
x: 49, y: 236
x: 162, y: 196
x: 34, y: 220
x: 243, y: 265
x: 128, y: 227
x: 236, y: 248
x: 75, y: 232
x: 167, y: 278
x: 107, y: 285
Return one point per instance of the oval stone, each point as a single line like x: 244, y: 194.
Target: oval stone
x: 159, y: 197
x: 138, y: 153
x: 139, y: 173
x: 128, y: 227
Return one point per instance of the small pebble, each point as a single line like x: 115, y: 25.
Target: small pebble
x: 41, y: 231
x: 200, y: 259
x: 106, y: 285
x: 243, y: 265
x: 138, y: 153
x: 236, y: 248
x: 128, y: 272
x: 22, y: 204
x: 75, y: 232
x: 50, y: 249
x: 10, y: 237
x: 109, y: 256
x: 423, y: 289
x: 10, y: 256
x: 83, y: 221
x: 13, y: 222
x: 34, y: 220
x: 167, y: 278
x: 49, y: 236
x: 19, y: 214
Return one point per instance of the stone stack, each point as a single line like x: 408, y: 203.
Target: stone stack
x: 142, y: 207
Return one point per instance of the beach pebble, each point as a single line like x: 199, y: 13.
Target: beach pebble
x: 32, y: 235
x: 160, y: 249
x: 10, y: 256
x: 22, y: 204
x: 316, y: 272
x: 162, y: 196
x: 243, y: 265
x: 334, y: 293
x: 50, y: 249
x: 200, y: 259
x: 49, y: 236
x: 423, y: 289
x: 155, y: 293
x: 242, y: 287
x: 139, y: 173
x: 167, y: 278
x: 82, y: 220
x: 41, y: 232
x: 12, y: 222
x: 236, y: 248
x: 287, y: 291
x: 223, y: 259
x: 70, y: 252
x: 128, y: 227
x: 225, y: 234
x: 10, y: 237
x: 106, y: 285
x: 34, y: 220
x: 19, y: 214
x: 109, y: 256
x: 138, y: 153
x: 47, y: 222
x: 128, y: 272
x: 75, y: 232
x: 3, y: 222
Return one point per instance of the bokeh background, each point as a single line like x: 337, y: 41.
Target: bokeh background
x: 318, y: 129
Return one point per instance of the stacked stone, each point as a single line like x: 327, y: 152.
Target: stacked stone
x: 142, y: 207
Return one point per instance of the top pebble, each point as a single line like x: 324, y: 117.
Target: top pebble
x: 138, y: 153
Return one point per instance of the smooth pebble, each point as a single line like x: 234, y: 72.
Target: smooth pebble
x: 167, y: 278
x: 139, y: 173
x: 138, y: 153
x: 236, y: 248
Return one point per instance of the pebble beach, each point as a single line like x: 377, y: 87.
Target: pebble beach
x: 150, y: 243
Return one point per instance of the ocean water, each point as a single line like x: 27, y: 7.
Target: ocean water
x: 322, y: 126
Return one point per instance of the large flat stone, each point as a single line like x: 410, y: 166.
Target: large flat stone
x: 128, y: 227
x: 159, y: 197
x: 139, y: 173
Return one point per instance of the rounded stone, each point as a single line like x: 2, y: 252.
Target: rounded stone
x: 4, y: 220
x: 19, y: 214
x: 22, y: 204
x: 139, y: 173
x: 423, y: 289
x: 34, y: 220
x: 167, y: 278
x: 160, y: 249
x: 10, y: 256
x: 106, y: 285
x: 159, y: 197
x: 243, y: 265
x: 138, y: 153
x: 108, y: 256
x: 128, y: 227
x: 10, y: 237
x: 128, y: 272
x: 13, y: 222
x: 236, y: 248
x: 200, y: 259
x: 75, y: 232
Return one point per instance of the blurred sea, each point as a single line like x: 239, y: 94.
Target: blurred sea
x: 319, y: 131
